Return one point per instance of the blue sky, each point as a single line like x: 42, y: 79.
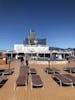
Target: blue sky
x: 53, y: 19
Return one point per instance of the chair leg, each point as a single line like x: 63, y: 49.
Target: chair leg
x: 72, y: 84
x: 54, y: 72
x: 31, y: 85
x: 60, y: 83
x: 47, y: 71
x: 26, y: 86
x: 15, y: 86
x: 70, y: 70
x: 43, y: 87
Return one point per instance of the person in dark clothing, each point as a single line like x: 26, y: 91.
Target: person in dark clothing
x: 68, y: 59
x: 22, y: 62
x: 27, y: 64
x: 27, y: 61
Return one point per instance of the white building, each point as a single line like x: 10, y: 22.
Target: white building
x: 35, y: 47
x: 20, y: 48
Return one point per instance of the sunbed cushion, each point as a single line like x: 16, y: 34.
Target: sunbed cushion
x: 33, y: 71
x: 36, y: 80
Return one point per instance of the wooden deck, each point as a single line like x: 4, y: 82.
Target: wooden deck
x: 50, y: 91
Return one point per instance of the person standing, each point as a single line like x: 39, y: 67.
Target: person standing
x: 27, y: 64
x: 68, y: 59
x: 27, y: 61
x: 22, y: 62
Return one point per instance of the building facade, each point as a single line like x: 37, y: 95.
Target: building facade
x: 36, y: 48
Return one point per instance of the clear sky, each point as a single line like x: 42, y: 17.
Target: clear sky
x: 53, y: 19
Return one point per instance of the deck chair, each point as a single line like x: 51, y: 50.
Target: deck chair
x: 72, y: 78
x: 70, y: 69
x: 2, y: 77
x: 62, y: 79
x: 51, y: 70
x: 36, y: 81
x: 1, y: 71
x: 32, y: 71
x: 73, y: 70
x: 8, y: 71
x: 22, y: 79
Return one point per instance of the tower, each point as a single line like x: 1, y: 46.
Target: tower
x: 32, y: 38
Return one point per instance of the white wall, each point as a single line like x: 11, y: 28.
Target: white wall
x: 19, y: 48
x: 30, y: 49
x: 36, y: 49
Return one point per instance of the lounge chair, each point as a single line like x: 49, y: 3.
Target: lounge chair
x: 2, y: 77
x: 70, y: 77
x: 32, y: 71
x: 8, y: 71
x: 1, y: 71
x: 62, y: 79
x: 36, y: 81
x: 51, y: 70
x: 22, y: 78
x: 70, y: 69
